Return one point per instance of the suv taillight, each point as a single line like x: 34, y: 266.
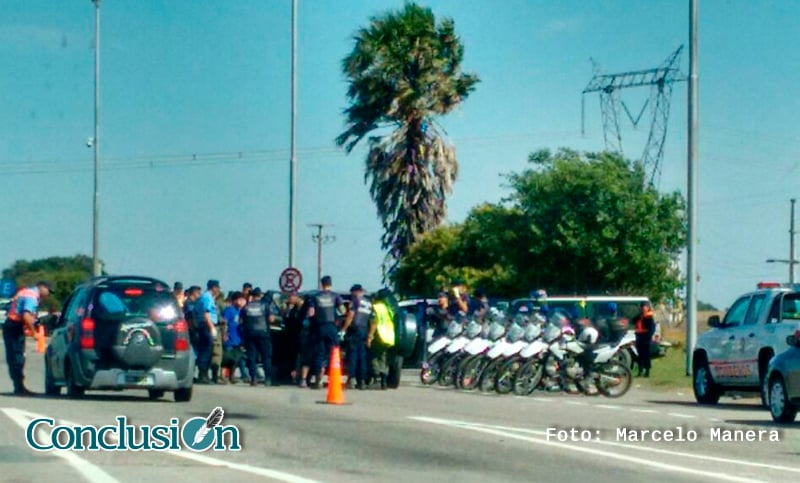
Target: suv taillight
x: 182, y: 339
x: 87, y: 334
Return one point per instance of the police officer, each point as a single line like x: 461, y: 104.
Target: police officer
x: 645, y: 327
x: 358, y: 317
x: 21, y: 317
x: 382, y: 325
x: 206, y: 318
x: 322, y: 310
x: 255, y: 319
x: 458, y: 303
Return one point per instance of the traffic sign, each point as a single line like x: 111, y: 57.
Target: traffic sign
x: 291, y: 280
x: 7, y: 288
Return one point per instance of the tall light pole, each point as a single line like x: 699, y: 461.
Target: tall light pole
x: 692, y: 151
x: 293, y: 160
x: 96, y: 268
x: 792, y: 261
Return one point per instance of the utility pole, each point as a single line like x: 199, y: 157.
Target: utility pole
x: 293, y: 158
x: 692, y: 151
x: 792, y: 261
x: 96, y: 268
x: 320, y: 238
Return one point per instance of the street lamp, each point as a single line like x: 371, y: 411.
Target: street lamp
x: 791, y: 264
x: 96, y: 268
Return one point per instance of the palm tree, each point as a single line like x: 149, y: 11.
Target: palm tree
x: 404, y: 72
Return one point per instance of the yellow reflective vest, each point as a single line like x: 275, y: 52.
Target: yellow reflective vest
x: 384, y: 324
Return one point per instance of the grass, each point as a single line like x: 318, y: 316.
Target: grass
x: 669, y: 372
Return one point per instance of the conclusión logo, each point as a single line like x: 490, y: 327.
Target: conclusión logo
x: 196, y: 434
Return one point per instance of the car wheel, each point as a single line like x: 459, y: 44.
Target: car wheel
x: 705, y: 390
x: 50, y: 387
x: 782, y: 410
x: 395, y: 371
x: 154, y: 394
x: 183, y: 394
x: 73, y: 391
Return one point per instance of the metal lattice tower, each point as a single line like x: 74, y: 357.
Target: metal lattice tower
x: 660, y: 81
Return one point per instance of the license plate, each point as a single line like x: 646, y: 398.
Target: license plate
x: 134, y: 379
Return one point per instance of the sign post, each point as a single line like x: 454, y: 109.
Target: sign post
x: 291, y: 280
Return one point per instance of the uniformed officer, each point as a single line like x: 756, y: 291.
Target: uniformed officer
x: 21, y: 317
x: 382, y: 325
x: 645, y: 327
x: 207, y: 318
x: 322, y: 310
x: 255, y: 319
x: 358, y: 317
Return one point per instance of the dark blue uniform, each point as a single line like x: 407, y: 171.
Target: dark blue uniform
x: 323, y: 326
x: 257, y: 338
x: 357, y: 355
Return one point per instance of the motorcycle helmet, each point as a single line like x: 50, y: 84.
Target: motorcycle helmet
x: 454, y: 329
x: 496, y: 331
x: 589, y: 335
x: 474, y: 329
x: 515, y: 333
x: 532, y: 332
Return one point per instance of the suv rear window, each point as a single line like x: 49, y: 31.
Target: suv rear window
x: 122, y: 302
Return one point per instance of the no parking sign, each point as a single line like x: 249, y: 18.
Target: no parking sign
x: 291, y: 280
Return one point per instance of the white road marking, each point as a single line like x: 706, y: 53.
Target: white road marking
x: 679, y: 415
x: 542, y: 399
x: 646, y: 411
x: 576, y: 403
x: 88, y: 471
x: 635, y: 447
x: 607, y: 406
x: 187, y: 454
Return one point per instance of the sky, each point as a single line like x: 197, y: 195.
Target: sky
x: 195, y: 127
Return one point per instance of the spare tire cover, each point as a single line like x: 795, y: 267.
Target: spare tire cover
x: 138, y: 343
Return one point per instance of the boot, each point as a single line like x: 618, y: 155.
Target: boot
x: 349, y: 384
x: 360, y: 385
x: 383, y: 382
x: 639, y: 374
x: 647, y: 373
x: 215, y: 375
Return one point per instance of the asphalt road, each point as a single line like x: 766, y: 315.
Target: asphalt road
x: 410, y: 434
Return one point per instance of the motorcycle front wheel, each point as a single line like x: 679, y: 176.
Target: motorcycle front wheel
x: 528, y: 377
x: 470, y: 372
x: 489, y: 376
x: 613, y: 379
x: 504, y: 381
x: 447, y: 376
x: 430, y: 370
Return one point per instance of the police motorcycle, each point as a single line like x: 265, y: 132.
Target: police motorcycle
x: 520, y: 353
x: 454, y: 353
x: 577, y: 365
x: 431, y: 367
x: 507, y: 347
x: 472, y: 366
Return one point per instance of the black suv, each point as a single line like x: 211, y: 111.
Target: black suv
x: 120, y: 333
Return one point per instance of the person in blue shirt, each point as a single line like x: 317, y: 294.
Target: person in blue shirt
x: 207, y: 319
x: 21, y: 317
x: 233, y: 344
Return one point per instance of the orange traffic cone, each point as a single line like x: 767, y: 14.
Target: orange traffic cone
x: 335, y: 392
x: 40, y: 340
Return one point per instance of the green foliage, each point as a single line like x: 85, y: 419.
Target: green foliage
x: 63, y: 273
x: 574, y: 223
x: 403, y: 72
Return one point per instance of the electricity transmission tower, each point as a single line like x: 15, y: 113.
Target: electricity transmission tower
x: 660, y: 81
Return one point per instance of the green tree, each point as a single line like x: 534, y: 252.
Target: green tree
x: 574, y: 223
x: 403, y: 72
x: 705, y: 306
x: 64, y: 273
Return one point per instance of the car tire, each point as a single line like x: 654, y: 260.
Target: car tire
x: 50, y: 387
x: 155, y: 394
x: 781, y: 409
x: 73, y: 391
x: 706, y: 391
x: 395, y: 372
x: 183, y: 394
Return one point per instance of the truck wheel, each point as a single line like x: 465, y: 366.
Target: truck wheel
x: 50, y: 387
x: 183, y: 394
x: 395, y: 372
x: 73, y: 391
x: 782, y: 410
x: 706, y: 391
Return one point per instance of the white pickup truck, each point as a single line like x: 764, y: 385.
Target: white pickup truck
x: 734, y: 355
